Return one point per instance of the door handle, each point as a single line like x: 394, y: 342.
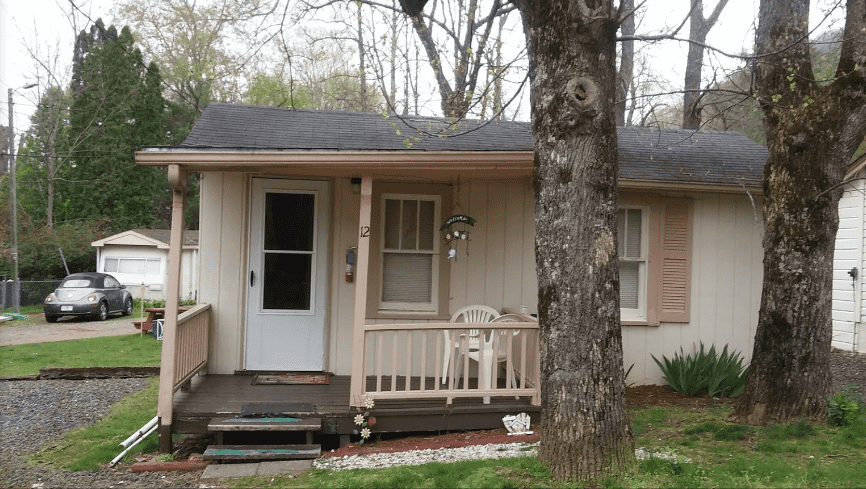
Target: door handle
x: 252, y: 278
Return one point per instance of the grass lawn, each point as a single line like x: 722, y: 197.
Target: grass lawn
x: 698, y: 447
x: 131, y: 350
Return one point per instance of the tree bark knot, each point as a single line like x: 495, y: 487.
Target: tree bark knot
x: 582, y: 91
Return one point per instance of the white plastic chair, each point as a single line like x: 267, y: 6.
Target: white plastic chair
x: 502, y: 354
x: 468, y: 314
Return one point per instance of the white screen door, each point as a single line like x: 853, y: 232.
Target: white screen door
x: 287, y: 275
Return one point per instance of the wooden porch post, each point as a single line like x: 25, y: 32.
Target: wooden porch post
x: 177, y: 180
x: 363, y: 261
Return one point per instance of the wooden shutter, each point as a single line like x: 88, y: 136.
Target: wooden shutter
x: 676, y: 261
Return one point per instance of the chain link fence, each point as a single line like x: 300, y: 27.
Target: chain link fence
x: 29, y: 292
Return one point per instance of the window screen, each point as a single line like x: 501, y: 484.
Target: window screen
x: 409, y: 255
x: 631, y: 256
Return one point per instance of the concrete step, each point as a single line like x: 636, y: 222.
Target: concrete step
x: 265, y: 424
x: 262, y: 452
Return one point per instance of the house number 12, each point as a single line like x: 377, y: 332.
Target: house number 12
x: 365, y: 231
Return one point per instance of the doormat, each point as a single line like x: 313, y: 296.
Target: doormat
x: 292, y: 379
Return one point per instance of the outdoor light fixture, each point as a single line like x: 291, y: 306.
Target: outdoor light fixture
x: 356, y: 185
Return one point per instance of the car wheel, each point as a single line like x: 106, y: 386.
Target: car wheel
x: 50, y: 318
x: 127, y: 307
x: 102, y: 313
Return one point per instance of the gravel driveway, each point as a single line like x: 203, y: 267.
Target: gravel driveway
x: 34, y: 414
x: 36, y: 330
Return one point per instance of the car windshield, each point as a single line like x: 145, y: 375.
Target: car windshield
x: 77, y: 283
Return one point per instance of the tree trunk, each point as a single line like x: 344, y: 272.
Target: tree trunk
x: 699, y: 27
x: 585, y: 428
x: 625, y: 77
x: 50, y: 158
x: 812, y: 132
x: 362, y: 62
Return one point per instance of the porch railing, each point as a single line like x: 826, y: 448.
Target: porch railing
x: 191, y: 343
x: 406, y: 361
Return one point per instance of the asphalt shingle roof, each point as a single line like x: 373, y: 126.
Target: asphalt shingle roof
x: 190, y: 237
x: 651, y: 154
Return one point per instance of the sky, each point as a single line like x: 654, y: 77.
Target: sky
x: 43, y: 25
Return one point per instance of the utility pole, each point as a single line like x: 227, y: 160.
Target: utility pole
x: 16, y: 287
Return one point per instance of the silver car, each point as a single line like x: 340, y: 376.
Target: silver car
x: 87, y: 294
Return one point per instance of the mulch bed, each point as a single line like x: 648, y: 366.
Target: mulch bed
x: 641, y: 395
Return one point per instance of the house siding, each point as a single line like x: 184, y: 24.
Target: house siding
x: 847, y: 292
x: 725, y: 288
x: 498, y: 271
x: 223, y: 223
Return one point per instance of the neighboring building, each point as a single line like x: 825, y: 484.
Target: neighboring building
x: 292, y: 198
x: 138, y: 259
x: 848, y: 262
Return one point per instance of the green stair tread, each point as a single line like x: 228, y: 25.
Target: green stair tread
x: 261, y: 452
x: 265, y: 424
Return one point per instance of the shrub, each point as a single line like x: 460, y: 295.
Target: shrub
x: 722, y: 374
x: 843, y: 410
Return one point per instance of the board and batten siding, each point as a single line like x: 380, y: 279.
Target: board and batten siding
x: 848, y: 292
x: 496, y: 267
x: 223, y: 222
x: 726, y: 276
x: 498, y: 271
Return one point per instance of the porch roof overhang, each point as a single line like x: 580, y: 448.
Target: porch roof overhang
x: 393, y: 165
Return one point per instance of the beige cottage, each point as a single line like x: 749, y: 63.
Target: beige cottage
x: 327, y: 245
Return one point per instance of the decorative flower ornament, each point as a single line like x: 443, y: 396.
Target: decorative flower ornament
x: 363, y: 421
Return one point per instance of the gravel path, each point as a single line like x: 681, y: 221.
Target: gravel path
x: 34, y: 414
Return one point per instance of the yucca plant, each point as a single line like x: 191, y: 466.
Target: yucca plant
x: 728, y: 377
x: 721, y: 374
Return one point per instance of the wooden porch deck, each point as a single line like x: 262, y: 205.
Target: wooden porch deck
x: 226, y: 395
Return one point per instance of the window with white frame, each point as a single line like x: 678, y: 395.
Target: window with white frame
x: 138, y: 266
x: 410, y: 252
x: 632, y: 232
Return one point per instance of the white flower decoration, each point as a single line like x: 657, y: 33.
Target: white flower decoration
x: 359, y: 419
x: 369, y: 403
x: 365, y: 433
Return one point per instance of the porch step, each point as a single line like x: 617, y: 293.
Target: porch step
x: 265, y: 424
x: 276, y: 409
x: 262, y: 452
